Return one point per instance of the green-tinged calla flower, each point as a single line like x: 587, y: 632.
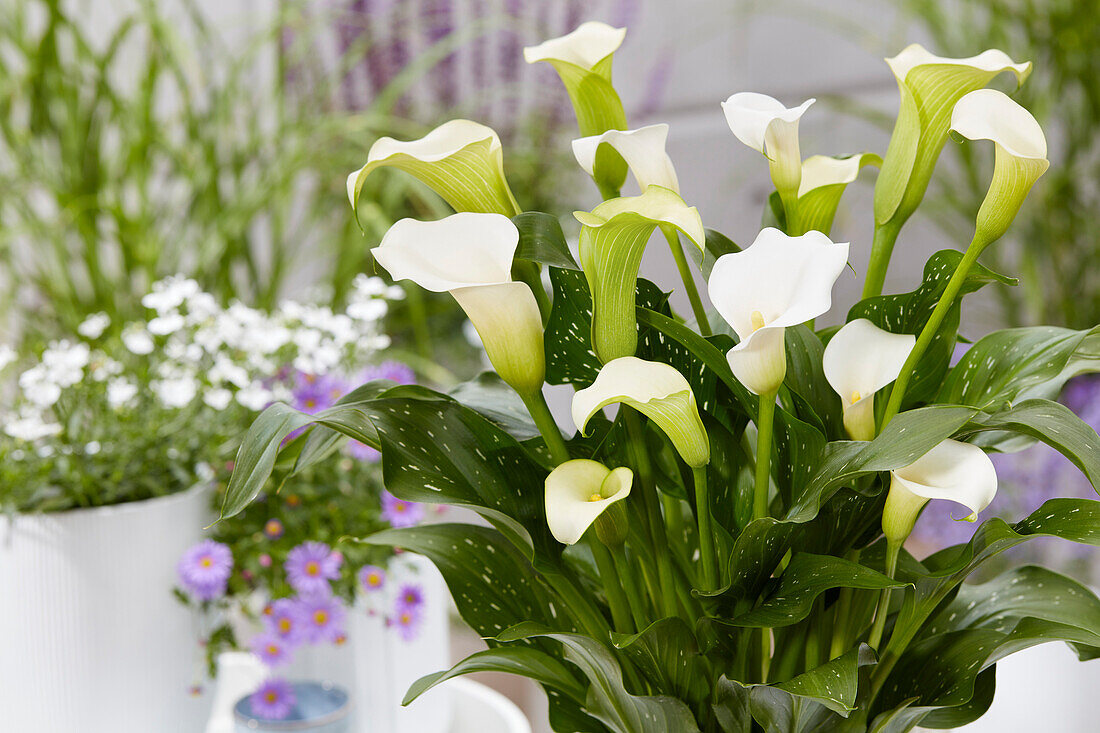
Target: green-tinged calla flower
x: 960, y: 472
x: 765, y: 125
x: 578, y: 492
x: 460, y: 160
x: 470, y: 256
x: 824, y: 179
x: 642, y: 149
x: 1020, y: 155
x: 860, y: 360
x: 583, y: 61
x: 656, y: 390
x: 612, y: 241
x: 778, y: 281
x: 929, y: 86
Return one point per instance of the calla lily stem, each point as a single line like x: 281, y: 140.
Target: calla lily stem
x: 689, y: 281
x: 931, y: 328
x: 529, y: 273
x: 616, y: 597
x: 540, y: 413
x: 635, y: 600
x: 764, y: 424
x: 893, y: 549
x: 707, y: 556
x: 882, y: 247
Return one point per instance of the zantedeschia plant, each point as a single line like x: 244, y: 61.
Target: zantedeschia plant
x: 720, y: 544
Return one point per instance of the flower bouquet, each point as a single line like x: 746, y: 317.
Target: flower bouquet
x: 727, y: 551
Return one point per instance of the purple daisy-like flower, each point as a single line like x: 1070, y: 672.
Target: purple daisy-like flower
x: 410, y: 596
x: 204, y: 569
x: 400, y: 513
x: 372, y: 578
x: 312, y: 393
x: 323, y: 618
x: 274, y: 529
x: 272, y: 649
x: 273, y: 700
x: 394, y: 371
x: 310, y: 566
x: 285, y: 621
x: 363, y: 452
x: 407, y: 622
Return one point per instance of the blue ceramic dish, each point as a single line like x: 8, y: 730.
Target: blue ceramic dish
x: 320, y: 708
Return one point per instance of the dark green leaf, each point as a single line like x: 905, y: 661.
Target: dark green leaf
x: 257, y: 455
x: 490, y: 397
x: 667, y: 654
x: 806, y: 378
x: 519, y: 660
x: 542, y: 240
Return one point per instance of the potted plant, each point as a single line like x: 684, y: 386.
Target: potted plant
x: 729, y: 551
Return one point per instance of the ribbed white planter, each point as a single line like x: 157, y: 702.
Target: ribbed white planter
x: 91, y: 637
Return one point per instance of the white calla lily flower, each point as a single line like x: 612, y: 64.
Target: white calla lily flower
x: 766, y: 125
x: 778, y: 281
x: 1020, y: 156
x: 578, y: 492
x: 470, y: 256
x: 659, y: 392
x: 588, y: 45
x: 643, y: 150
x: 959, y: 472
x: 461, y: 160
x: 860, y: 360
x: 824, y: 179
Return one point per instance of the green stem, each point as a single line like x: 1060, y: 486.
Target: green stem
x: 707, y: 556
x: 765, y: 654
x: 893, y: 549
x: 529, y: 273
x: 616, y: 598
x: 764, y: 424
x: 843, y: 613
x: 931, y: 328
x: 882, y: 248
x: 790, y: 210
x: 689, y: 281
x: 540, y: 413
x: 636, y: 601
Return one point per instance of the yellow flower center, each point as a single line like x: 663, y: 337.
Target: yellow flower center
x: 206, y: 562
x: 311, y: 403
x: 757, y: 321
x: 271, y: 696
x: 406, y: 618
x: 856, y: 397
x: 320, y: 617
x: 340, y: 640
x: 272, y: 649
x: 399, y: 507
x: 373, y: 579
x: 595, y: 497
x: 284, y: 625
x: 312, y: 568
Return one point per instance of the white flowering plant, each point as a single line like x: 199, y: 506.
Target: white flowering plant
x: 727, y: 551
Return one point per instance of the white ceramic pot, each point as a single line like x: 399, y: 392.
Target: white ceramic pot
x: 91, y: 637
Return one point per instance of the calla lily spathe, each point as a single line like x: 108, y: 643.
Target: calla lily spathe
x: 583, y: 61
x: 929, y: 86
x: 860, y: 360
x: 643, y: 150
x: 766, y: 125
x: 656, y: 390
x: 460, y: 160
x: 470, y: 256
x: 959, y: 472
x: 824, y: 179
x: 778, y: 281
x: 1020, y: 156
x: 578, y: 492
x: 612, y: 241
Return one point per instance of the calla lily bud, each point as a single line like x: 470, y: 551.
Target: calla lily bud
x: 860, y: 360
x: 656, y: 390
x: 960, y: 472
x: 1020, y: 155
x: 778, y: 281
x: 764, y: 124
x: 578, y: 492
x: 824, y: 179
x: 612, y: 241
x: 642, y: 149
x: 470, y: 256
x: 460, y: 160
x: 929, y: 86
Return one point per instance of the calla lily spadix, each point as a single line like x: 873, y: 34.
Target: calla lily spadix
x: 578, y: 492
x: 643, y: 150
x: 959, y: 472
x: 1020, y: 156
x: 612, y: 242
x: 860, y: 360
x: 470, y: 256
x: 778, y: 281
x: 766, y: 125
x: 824, y: 179
x: 583, y: 61
x: 657, y: 391
x: 460, y: 160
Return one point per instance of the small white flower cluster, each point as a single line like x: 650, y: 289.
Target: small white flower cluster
x: 191, y: 349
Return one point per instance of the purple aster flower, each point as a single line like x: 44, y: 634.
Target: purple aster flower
x: 372, y: 578
x: 274, y: 529
x: 273, y: 700
x: 400, y: 513
x: 363, y: 452
x: 312, y: 393
x: 410, y: 596
x: 272, y: 649
x: 394, y: 371
x: 310, y: 566
x: 285, y: 621
x: 204, y: 569
x: 323, y: 616
x: 407, y: 622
